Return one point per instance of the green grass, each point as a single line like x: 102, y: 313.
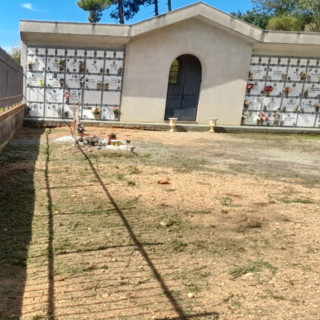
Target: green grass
x: 131, y: 183
x: 134, y: 170
x: 255, y: 266
x: 296, y: 200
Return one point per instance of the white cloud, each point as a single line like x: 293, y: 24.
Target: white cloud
x: 28, y: 6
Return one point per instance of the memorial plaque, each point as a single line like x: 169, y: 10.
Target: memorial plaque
x: 272, y: 104
x: 295, y: 89
x: 36, y: 110
x: 277, y: 73
x: 311, y: 90
x: 93, y: 82
x: 313, y: 74
x: 306, y: 120
x: 290, y: 104
x: 36, y: 63
x: 92, y: 97
x: 54, y: 80
x: 72, y: 64
x: 258, y: 72
x: 114, y: 67
x: 53, y: 64
x: 107, y: 113
x: 73, y: 81
x: 251, y: 118
x: 95, y: 66
x: 308, y: 105
x: 113, y: 83
x: 111, y: 98
x: 288, y: 119
x: 35, y: 94
x: 53, y: 110
x: 54, y: 95
x: 35, y: 79
x: 75, y: 96
x: 87, y: 112
x: 294, y: 73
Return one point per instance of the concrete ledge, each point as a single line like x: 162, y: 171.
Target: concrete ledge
x: 10, y: 123
x: 182, y: 127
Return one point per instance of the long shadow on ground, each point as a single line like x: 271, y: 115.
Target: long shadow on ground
x: 17, y: 197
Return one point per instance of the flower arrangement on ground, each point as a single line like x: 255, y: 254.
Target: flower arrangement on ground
x: 267, y: 90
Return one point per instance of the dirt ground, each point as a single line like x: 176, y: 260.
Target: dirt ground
x: 231, y: 232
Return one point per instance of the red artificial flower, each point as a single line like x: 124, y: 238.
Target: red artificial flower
x: 249, y: 86
x: 268, y: 88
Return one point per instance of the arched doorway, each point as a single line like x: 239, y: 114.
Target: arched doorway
x: 183, y: 88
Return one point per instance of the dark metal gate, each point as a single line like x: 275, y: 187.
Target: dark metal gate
x: 183, y: 95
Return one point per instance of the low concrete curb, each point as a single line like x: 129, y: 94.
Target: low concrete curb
x: 182, y: 127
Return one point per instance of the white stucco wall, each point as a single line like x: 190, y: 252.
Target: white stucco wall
x: 225, y: 63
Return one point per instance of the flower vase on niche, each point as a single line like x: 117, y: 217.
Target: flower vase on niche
x: 286, y: 91
x: 99, y: 86
x: 96, y: 113
x: 303, y: 76
x: 250, y: 75
x: 106, y: 86
x: 61, y: 81
x: 249, y: 87
x: 116, y: 113
x: 62, y: 65
x: 284, y: 76
x: 268, y: 90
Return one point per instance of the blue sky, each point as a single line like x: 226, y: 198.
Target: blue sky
x: 66, y: 10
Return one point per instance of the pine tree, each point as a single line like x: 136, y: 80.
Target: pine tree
x: 95, y: 8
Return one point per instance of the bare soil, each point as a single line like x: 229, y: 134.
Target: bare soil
x: 190, y: 226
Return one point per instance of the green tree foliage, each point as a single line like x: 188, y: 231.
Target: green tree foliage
x: 275, y: 7
x: 309, y: 12
x: 126, y: 9
x: 253, y: 17
x: 285, y: 23
x: 15, y: 53
x: 95, y: 8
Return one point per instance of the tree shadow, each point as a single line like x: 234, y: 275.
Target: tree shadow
x: 17, y: 203
x: 181, y: 315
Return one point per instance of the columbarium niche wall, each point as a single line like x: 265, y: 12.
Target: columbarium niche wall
x: 283, y: 91
x: 58, y: 78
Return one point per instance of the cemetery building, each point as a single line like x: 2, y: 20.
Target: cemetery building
x: 193, y: 64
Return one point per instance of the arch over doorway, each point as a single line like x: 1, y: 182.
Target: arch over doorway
x: 184, y: 88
